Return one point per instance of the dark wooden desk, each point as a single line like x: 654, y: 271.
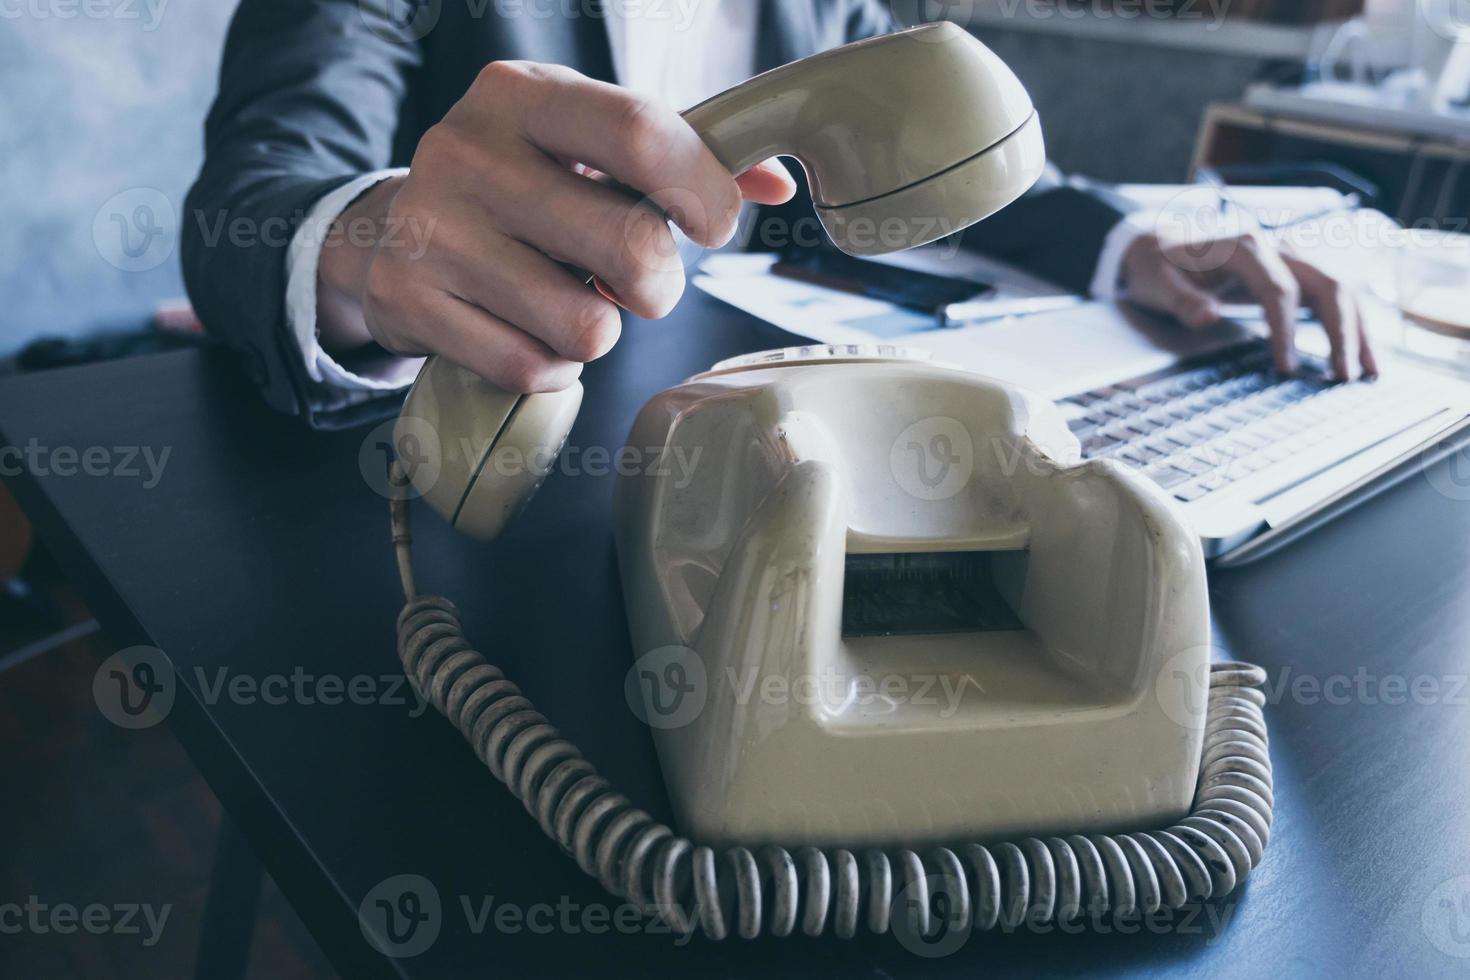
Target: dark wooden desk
x: 263, y: 553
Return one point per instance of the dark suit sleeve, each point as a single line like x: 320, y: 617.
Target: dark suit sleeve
x: 309, y: 97
x: 1055, y: 231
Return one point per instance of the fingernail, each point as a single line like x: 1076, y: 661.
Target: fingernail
x: 608, y: 292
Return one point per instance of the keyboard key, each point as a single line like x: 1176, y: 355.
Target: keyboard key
x: 1198, y: 430
x: 1251, y: 409
x: 1217, y: 396
x: 1237, y: 416
x: 1235, y: 447
x: 1166, y: 476
x: 1190, y: 464
x: 1072, y: 411
x: 1142, y: 425
x: 1129, y: 455
x: 1208, y: 454
x: 1298, y: 442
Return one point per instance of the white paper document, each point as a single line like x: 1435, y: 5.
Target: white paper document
x: 744, y: 280
x: 1057, y: 354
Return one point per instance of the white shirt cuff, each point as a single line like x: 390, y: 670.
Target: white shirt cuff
x: 387, y: 373
x: 1107, y: 278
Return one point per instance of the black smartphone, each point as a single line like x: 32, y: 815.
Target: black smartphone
x: 926, y: 292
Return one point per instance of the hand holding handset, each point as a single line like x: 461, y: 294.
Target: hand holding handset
x: 905, y: 139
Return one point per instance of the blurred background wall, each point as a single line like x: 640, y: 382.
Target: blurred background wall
x: 1121, y: 110
x: 101, y: 115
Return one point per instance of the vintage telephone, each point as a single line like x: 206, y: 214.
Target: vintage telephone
x: 861, y: 511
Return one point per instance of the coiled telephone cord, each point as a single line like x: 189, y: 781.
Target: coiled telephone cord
x: 775, y: 890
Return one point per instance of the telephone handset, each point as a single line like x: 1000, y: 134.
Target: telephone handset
x: 860, y: 511
x: 905, y: 138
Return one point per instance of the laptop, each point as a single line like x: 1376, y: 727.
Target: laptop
x: 1252, y: 458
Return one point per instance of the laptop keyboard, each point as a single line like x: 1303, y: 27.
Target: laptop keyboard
x: 1194, y: 431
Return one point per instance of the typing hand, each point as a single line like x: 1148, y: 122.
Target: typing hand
x: 502, y: 183
x: 1189, y: 280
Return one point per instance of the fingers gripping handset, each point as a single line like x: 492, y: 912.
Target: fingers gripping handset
x: 905, y: 138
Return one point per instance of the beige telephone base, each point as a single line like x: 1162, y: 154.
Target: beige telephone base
x: 1093, y: 713
x: 1095, y: 710
x: 851, y: 527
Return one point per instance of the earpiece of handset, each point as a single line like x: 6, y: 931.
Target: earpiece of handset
x: 905, y: 138
x: 475, y: 453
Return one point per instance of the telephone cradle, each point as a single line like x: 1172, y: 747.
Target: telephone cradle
x: 867, y: 526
